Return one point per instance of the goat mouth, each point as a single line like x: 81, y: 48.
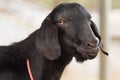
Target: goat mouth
x: 83, y: 54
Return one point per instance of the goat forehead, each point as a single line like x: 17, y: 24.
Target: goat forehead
x: 73, y: 12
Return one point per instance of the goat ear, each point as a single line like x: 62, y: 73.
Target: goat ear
x: 96, y: 33
x: 47, y: 40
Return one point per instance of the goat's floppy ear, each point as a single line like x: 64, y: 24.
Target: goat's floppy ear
x: 96, y: 33
x: 47, y: 40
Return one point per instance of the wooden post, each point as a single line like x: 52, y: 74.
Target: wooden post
x: 104, y: 30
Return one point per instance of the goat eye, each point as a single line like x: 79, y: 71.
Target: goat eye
x: 61, y: 22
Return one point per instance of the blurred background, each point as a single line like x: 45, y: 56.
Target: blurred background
x: 19, y: 18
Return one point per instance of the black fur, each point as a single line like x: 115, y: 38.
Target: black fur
x: 65, y: 33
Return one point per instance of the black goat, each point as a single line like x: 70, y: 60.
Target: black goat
x: 67, y: 32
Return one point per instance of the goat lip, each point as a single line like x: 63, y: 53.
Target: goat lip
x: 91, y: 50
x: 81, y: 57
x: 89, y: 53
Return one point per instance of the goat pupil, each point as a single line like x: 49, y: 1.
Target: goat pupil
x: 61, y: 22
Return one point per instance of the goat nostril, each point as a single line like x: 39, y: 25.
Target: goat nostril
x: 91, y: 45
